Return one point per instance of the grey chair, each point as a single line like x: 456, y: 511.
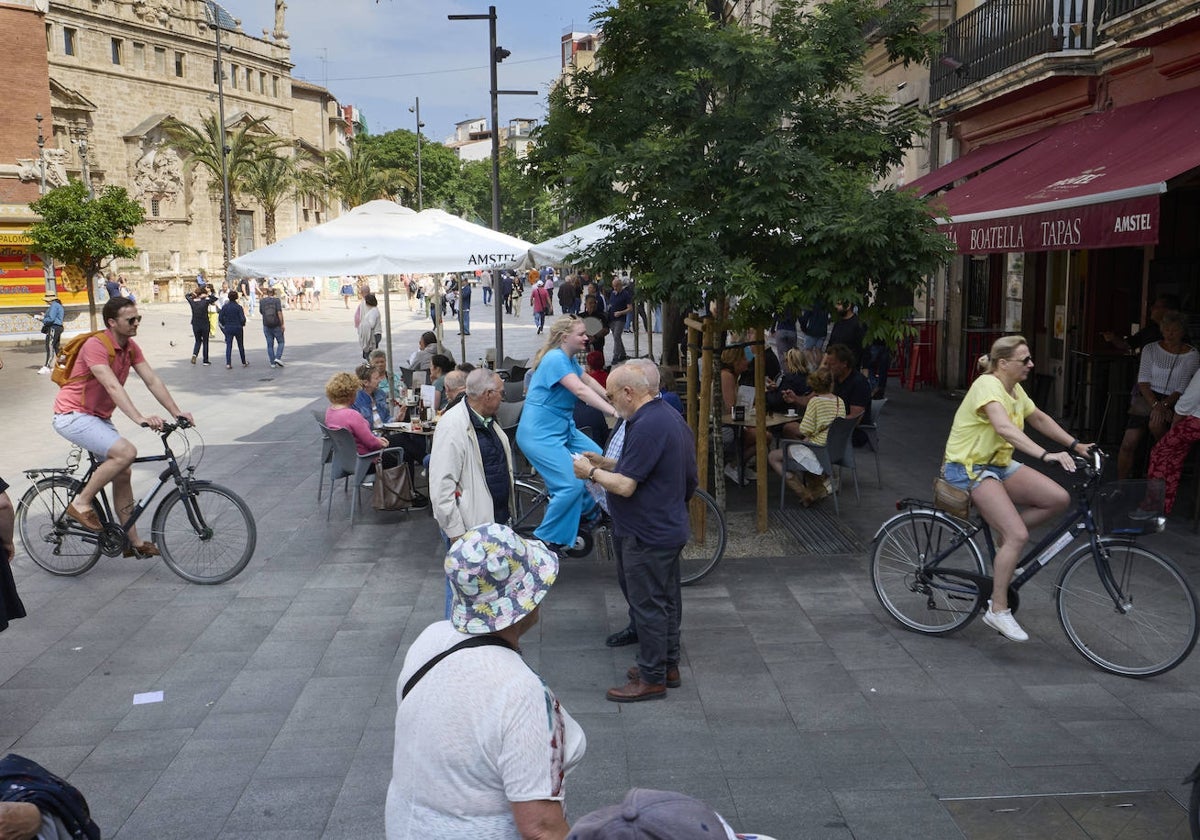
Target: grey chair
x: 326, y: 451
x: 514, y: 392
x: 509, y: 363
x: 871, y: 430
x: 347, y: 464
x: 838, y: 451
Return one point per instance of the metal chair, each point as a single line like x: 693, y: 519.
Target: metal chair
x: 348, y: 463
x: 326, y: 451
x: 838, y: 451
x: 514, y: 392
x: 871, y: 430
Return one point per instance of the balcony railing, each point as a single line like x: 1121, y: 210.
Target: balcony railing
x: 1116, y: 8
x: 1001, y: 34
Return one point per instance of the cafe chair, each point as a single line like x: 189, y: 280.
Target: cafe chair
x: 871, y: 430
x: 326, y: 451
x: 514, y: 392
x: 838, y: 451
x: 347, y: 464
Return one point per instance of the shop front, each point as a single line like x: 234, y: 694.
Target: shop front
x: 23, y: 288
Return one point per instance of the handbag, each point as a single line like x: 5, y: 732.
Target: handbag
x: 949, y: 498
x: 393, y: 488
x: 45, y: 329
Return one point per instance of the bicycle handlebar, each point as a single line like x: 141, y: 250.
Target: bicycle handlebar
x: 168, y: 428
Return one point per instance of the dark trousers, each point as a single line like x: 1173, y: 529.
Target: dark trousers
x: 52, y: 341
x: 649, y: 578
x: 200, y: 332
x: 231, y: 337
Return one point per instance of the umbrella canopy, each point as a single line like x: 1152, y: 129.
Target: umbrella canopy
x: 382, y: 237
x: 569, y: 246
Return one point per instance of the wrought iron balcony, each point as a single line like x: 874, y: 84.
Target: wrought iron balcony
x: 1116, y: 8
x: 1002, y: 34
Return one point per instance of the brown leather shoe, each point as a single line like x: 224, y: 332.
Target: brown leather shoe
x: 635, y: 691
x: 87, y: 518
x: 145, y: 549
x: 673, y: 681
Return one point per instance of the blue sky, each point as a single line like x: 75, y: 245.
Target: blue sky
x: 381, y: 56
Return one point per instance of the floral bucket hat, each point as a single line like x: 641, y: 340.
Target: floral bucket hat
x: 496, y: 578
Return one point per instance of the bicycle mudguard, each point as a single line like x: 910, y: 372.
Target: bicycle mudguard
x: 922, y: 507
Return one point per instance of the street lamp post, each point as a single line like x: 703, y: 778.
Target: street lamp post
x: 47, y: 261
x: 228, y: 237
x: 420, y: 187
x: 496, y: 54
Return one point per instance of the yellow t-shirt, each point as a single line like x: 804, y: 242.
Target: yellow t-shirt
x: 973, y: 440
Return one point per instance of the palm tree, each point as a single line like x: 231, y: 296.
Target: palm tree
x: 269, y: 180
x: 357, y: 177
x: 244, y: 144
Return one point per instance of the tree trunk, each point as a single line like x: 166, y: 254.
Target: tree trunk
x: 269, y: 224
x: 673, y: 333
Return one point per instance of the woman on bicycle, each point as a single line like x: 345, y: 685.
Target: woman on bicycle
x: 547, y: 433
x: 988, y: 427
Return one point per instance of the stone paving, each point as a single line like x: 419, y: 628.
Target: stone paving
x: 804, y: 713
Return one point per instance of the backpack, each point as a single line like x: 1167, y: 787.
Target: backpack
x: 65, y: 362
x: 270, y: 312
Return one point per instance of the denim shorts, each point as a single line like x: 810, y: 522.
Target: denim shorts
x: 956, y: 474
x: 95, y: 434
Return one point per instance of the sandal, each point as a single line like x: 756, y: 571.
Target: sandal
x: 87, y: 518
x: 143, y: 549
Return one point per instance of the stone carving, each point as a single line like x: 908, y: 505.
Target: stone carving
x: 29, y: 169
x: 153, y: 12
x: 158, y: 174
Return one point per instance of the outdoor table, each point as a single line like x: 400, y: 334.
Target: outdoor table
x: 773, y: 420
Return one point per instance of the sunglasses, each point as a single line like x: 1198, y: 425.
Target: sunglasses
x: 133, y: 320
x: 1028, y: 360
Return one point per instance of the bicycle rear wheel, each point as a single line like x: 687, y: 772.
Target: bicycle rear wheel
x: 206, y: 536
x: 54, y: 541
x: 1156, y: 624
x: 922, y: 589
x: 706, y: 546
x: 530, y: 505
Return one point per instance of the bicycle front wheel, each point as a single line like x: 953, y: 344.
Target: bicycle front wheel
x: 1148, y: 629
x: 917, y: 572
x: 706, y: 546
x: 206, y: 535
x: 531, y: 507
x: 54, y: 541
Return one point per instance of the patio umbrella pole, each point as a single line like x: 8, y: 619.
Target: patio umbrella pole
x: 498, y: 307
x: 387, y: 331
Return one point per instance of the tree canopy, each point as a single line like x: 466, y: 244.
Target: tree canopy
x: 85, y: 233
x: 742, y: 160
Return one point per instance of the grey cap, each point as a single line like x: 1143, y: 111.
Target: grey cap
x: 652, y: 815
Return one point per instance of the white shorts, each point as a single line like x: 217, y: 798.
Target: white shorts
x: 95, y: 434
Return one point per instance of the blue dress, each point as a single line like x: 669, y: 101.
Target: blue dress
x: 548, y: 436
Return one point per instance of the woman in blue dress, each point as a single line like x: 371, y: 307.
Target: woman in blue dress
x: 547, y: 433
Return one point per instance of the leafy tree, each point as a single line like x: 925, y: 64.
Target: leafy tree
x: 742, y: 159
x: 85, y: 233
x: 270, y: 180
x: 245, y: 144
x: 440, y: 166
x: 360, y: 176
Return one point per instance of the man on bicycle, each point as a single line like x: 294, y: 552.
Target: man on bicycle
x: 84, y: 407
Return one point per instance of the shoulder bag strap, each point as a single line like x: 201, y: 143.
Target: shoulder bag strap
x: 474, y: 641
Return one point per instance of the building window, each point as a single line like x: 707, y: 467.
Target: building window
x: 154, y: 207
x: 262, y: 82
x: 49, y: 37
x: 179, y: 66
x: 275, y: 86
x: 139, y: 56
x: 216, y: 70
x: 233, y: 74
x: 249, y: 80
x: 70, y: 40
x: 305, y: 214
x: 160, y: 61
x: 118, y: 47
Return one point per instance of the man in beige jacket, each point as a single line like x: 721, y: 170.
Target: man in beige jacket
x: 470, y: 467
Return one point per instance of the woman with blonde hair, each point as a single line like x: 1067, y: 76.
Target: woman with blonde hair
x: 988, y: 426
x: 823, y: 407
x: 547, y: 433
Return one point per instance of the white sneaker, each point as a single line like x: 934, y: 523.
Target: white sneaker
x: 732, y: 474
x: 43, y: 371
x: 1004, y: 624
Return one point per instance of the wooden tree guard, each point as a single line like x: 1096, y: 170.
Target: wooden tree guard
x: 760, y: 427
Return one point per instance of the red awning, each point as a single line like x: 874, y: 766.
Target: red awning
x: 972, y: 162
x: 1092, y: 183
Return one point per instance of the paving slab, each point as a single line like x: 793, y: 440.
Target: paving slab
x: 804, y: 711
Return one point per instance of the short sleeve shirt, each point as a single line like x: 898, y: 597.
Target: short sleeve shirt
x: 86, y: 394
x: 659, y: 453
x: 544, y: 387
x: 973, y: 440
x: 855, y: 390
x: 455, y: 775
x: 818, y: 416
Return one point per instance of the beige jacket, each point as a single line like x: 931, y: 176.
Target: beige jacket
x: 458, y: 487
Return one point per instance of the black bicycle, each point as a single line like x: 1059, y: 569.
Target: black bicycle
x: 699, y: 557
x: 206, y: 533
x: 1127, y: 609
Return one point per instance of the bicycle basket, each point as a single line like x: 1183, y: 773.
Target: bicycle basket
x: 1129, y: 508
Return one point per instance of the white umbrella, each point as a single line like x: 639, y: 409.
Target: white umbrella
x: 569, y: 246
x: 382, y: 237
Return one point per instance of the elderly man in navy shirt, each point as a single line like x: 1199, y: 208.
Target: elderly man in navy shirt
x: 648, y: 491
